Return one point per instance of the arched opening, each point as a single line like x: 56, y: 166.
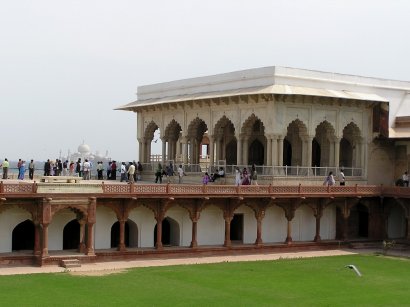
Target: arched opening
x: 315, y: 153
x: 287, y: 153
x: 172, y: 134
x: 295, y: 133
x: 349, y: 151
x: 225, y: 141
x: 253, y: 132
x: 196, y: 131
x: 115, y: 234
x: 256, y: 153
x: 170, y: 232
x: 359, y: 222
x: 346, y: 153
x: 71, y: 235
x: 23, y: 236
x: 236, y: 228
x: 130, y: 234
x: 152, y: 143
x: 231, y: 154
x: 322, y: 153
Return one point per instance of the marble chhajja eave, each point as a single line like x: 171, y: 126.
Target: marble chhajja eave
x: 255, y: 99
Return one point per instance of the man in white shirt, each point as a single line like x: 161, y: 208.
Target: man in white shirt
x: 181, y: 174
x: 131, y: 172
x: 123, y: 172
x: 86, y: 170
x: 342, y: 179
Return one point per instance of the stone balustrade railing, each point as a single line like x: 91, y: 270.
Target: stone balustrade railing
x: 154, y: 190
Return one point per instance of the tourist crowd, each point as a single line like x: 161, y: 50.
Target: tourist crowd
x: 130, y: 172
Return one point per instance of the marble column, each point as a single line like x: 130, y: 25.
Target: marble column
x: 143, y: 155
x: 239, y: 150
x: 164, y: 150
x: 211, y: 150
x: 275, y: 152
x: 309, y: 141
x: 280, y: 151
x: 337, y: 152
x: 245, y: 150
x: 269, y: 150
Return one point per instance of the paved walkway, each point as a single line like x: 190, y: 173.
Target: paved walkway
x: 103, y: 268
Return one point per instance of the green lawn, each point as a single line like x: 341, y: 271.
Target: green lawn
x: 301, y: 282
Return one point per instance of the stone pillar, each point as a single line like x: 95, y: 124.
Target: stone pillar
x: 289, y: 214
x: 259, y: 215
x: 191, y: 151
x: 239, y: 150
x: 211, y: 150
x: 91, y: 219
x: 337, y: 152
x: 194, y: 218
x: 121, y: 245
x: 194, y: 242
x: 185, y: 150
x: 37, y: 247
x: 309, y: 141
x: 158, y: 244
x: 318, y: 215
x: 44, y: 241
x: 90, y: 239
x: 82, y: 246
x: 140, y: 154
x: 164, y: 150
x: 275, y: 153
x: 228, y: 216
x: 245, y: 151
x: 280, y: 151
x: 268, y: 150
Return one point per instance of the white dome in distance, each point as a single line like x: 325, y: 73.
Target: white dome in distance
x: 84, y: 149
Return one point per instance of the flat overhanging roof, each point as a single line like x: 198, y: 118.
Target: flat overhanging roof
x: 276, y: 89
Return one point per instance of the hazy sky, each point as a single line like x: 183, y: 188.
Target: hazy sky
x: 65, y: 65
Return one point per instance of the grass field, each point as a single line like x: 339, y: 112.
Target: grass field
x: 300, y: 282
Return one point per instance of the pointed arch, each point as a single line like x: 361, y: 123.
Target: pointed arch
x: 322, y: 145
x: 196, y: 131
x: 170, y: 232
x: 23, y: 236
x: 296, y: 133
x: 349, y: 149
x: 171, y: 136
x: 226, y: 142
x: 253, y: 132
x: 71, y: 235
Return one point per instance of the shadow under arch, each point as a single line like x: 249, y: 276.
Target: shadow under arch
x: 23, y: 236
x: 71, y: 235
x: 130, y: 234
x: 170, y: 232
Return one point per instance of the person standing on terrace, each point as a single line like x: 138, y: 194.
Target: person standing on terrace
x: 329, y: 180
x: 31, y: 166
x: 405, y: 178
x: 5, y: 166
